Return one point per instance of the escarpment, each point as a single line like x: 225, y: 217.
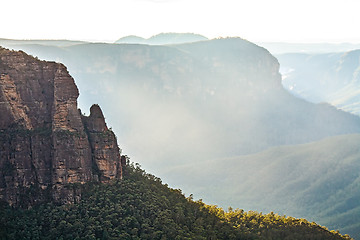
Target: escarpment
x: 46, y: 144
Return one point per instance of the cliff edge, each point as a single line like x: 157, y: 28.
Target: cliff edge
x: 45, y: 142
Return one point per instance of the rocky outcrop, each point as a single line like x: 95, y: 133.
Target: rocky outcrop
x: 45, y: 142
x: 105, y: 152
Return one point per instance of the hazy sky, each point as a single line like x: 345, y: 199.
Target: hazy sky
x: 255, y: 20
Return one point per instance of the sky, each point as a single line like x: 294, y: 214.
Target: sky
x: 254, y: 20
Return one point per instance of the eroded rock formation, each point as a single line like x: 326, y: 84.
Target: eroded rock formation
x: 45, y: 142
x: 105, y: 151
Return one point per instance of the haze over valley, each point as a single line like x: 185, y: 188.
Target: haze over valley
x: 252, y: 105
x: 216, y: 113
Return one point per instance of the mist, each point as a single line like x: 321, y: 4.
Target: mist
x: 210, y: 117
x: 328, y: 77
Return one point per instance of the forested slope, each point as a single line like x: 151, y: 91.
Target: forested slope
x: 141, y: 207
x: 319, y: 181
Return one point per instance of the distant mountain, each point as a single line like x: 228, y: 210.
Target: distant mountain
x: 227, y: 88
x: 132, y: 40
x: 309, y: 48
x: 57, y: 43
x: 330, y: 77
x: 319, y: 181
x: 164, y: 39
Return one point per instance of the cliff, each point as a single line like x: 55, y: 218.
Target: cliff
x: 45, y: 142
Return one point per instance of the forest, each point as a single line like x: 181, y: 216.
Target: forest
x: 141, y: 207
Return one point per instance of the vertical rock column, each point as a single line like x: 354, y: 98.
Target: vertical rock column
x: 105, y: 151
x: 72, y: 160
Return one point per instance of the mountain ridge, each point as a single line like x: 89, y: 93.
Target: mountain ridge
x: 327, y: 77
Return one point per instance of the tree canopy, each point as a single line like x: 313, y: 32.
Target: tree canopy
x: 141, y: 207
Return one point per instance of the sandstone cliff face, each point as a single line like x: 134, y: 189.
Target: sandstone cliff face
x: 105, y: 152
x: 45, y: 142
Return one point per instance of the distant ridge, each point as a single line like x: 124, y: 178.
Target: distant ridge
x: 164, y: 39
x: 131, y: 39
x: 328, y: 77
x: 310, y: 48
x: 44, y: 42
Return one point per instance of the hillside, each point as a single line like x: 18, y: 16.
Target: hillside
x: 318, y: 181
x: 141, y: 207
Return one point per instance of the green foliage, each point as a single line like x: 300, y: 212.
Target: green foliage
x: 274, y: 226
x: 141, y: 207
